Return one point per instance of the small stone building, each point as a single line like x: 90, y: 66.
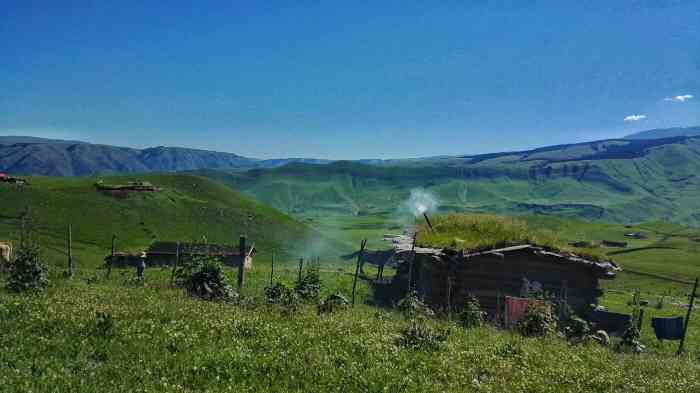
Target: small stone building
x: 165, y: 253
x: 442, y: 276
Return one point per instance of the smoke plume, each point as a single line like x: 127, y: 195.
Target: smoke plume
x: 421, y: 201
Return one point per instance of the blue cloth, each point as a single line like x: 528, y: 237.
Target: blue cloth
x: 668, y: 328
x: 611, y: 322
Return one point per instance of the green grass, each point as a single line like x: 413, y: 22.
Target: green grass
x: 188, y: 208
x: 162, y: 340
x: 480, y: 231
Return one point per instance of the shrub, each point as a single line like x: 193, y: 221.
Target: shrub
x: 412, y: 306
x: 281, y: 293
x: 472, y: 316
x: 309, y: 287
x: 630, y: 340
x: 204, y: 278
x: 26, y: 270
x: 576, y: 329
x: 538, y: 321
x: 332, y: 303
x: 104, y: 325
x: 419, y: 334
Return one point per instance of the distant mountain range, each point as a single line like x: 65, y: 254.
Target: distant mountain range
x: 26, y: 155
x: 619, y: 180
x: 23, y: 155
x: 665, y: 133
x: 12, y: 140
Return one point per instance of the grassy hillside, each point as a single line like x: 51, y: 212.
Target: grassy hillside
x: 188, y: 208
x: 161, y: 340
x: 617, y: 181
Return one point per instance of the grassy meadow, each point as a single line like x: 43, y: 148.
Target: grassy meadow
x: 93, y: 334
x: 98, y: 333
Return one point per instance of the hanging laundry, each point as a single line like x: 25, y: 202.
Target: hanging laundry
x: 611, y: 322
x: 516, y: 308
x: 668, y: 328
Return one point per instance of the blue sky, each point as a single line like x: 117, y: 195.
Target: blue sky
x: 347, y: 79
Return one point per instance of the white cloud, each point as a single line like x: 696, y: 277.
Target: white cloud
x: 682, y: 98
x: 633, y: 118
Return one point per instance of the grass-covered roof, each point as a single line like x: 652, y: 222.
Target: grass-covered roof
x: 477, y: 232
x: 481, y: 231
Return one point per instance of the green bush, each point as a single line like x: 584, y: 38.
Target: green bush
x: 419, y: 334
x: 309, y: 287
x: 412, y: 306
x: 204, y: 278
x: 281, y: 293
x: 538, y: 321
x: 104, y: 325
x: 472, y: 316
x: 630, y: 340
x: 333, y: 303
x: 576, y: 329
x: 26, y: 270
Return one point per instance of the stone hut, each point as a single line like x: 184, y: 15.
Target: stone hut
x: 445, y: 277
x: 165, y: 253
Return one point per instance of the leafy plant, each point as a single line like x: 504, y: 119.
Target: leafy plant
x: 412, y: 306
x: 419, y: 334
x: 538, y: 321
x: 309, y: 287
x: 576, y: 329
x: 281, y: 293
x: 333, y: 303
x: 104, y: 325
x: 204, y: 278
x: 26, y: 270
x: 630, y: 340
x: 472, y: 316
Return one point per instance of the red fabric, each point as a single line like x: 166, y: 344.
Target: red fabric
x: 516, y: 308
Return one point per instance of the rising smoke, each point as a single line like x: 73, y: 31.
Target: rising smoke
x: 421, y: 201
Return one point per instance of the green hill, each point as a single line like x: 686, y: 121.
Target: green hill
x: 187, y: 208
x: 624, y: 181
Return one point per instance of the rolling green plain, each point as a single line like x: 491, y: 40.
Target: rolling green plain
x: 160, y: 339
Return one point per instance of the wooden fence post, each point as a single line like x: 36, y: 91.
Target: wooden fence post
x: 687, y: 317
x: 177, y: 261
x: 241, y: 266
x: 272, y: 268
x: 301, y: 267
x: 70, y: 250
x: 111, y: 260
x: 410, y: 264
x: 449, y: 296
x: 357, y: 269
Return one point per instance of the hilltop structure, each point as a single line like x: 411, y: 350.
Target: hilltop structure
x: 5, y: 178
x: 130, y: 186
